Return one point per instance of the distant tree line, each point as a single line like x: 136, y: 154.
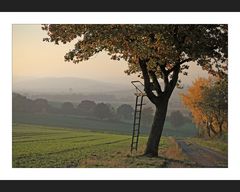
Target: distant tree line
x: 21, y: 103
x: 86, y: 108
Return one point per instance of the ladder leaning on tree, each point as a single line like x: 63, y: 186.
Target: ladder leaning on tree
x: 137, y: 114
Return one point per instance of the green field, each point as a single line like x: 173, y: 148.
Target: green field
x: 44, y: 146
x: 109, y: 126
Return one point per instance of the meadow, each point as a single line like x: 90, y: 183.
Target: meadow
x: 109, y: 126
x: 36, y: 146
x: 65, y: 141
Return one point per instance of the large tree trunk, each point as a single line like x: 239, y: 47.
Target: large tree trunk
x: 160, y: 100
x: 156, y: 130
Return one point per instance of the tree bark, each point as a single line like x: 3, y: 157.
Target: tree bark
x: 220, y: 129
x: 160, y: 101
x: 156, y: 130
x: 208, y: 130
x: 212, y: 129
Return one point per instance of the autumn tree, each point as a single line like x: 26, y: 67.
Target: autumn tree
x: 158, y: 53
x: 207, y: 100
x: 190, y: 100
x: 214, y: 103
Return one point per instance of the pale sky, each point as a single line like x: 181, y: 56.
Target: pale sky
x: 34, y: 58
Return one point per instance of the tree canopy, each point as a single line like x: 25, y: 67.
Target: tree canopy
x: 207, y: 99
x: 153, y: 51
x: 125, y: 111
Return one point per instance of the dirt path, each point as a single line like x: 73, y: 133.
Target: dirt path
x: 203, y: 156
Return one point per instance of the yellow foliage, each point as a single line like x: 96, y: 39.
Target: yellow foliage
x: 193, y: 95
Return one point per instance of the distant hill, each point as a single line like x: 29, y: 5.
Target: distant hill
x: 77, y: 89
x: 66, y: 85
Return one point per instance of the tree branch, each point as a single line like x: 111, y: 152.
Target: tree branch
x: 165, y: 76
x: 155, y: 82
x: 147, y: 85
x: 174, y: 80
x: 179, y: 63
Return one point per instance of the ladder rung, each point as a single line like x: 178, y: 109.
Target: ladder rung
x: 141, y: 104
x: 137, y: 119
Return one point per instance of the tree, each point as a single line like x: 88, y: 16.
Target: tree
x: 207, y: 100
x: 40, y: 105
x: 214, y: 103
x: 125, y: 111
x: 21, y: 103
x: 190, y: 100
x: 86, y: 107
x: 102, y: 111
x: 177, y: 119
x: 156, y: 52
x: 67, y: 108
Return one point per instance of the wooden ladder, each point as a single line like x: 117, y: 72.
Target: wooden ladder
x: 137, y: 116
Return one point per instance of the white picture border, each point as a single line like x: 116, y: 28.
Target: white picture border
x: 9, y: 173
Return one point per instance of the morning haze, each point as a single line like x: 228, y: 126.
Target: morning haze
x: 35, y: 59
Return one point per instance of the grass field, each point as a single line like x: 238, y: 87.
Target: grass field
x: 78, y: 122
x: 44, y: 146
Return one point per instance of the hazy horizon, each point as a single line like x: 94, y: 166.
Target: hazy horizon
x: 33, y: 59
